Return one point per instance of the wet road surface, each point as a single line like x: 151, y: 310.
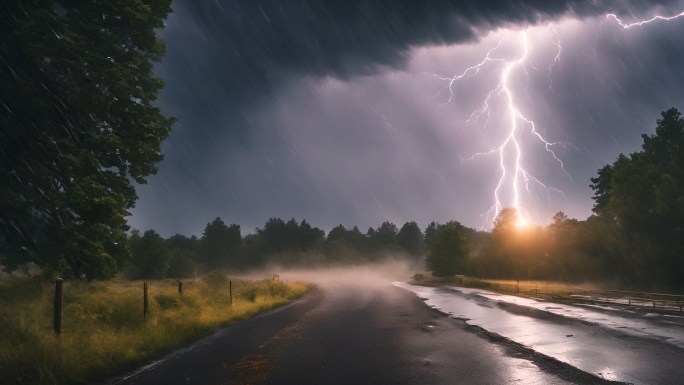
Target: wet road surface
x: 614, y: 344
x: 366, y: 334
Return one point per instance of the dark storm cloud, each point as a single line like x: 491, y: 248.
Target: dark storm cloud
x: 229, y: 63
x: 223, y: 56
x: 253, y: 41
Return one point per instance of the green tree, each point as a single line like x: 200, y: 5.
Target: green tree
x: 501, y: 256
x: 338, y: 233
x: 184, y: 254
x: 77, y: 128
x: 430, y: 234
x: 151, y: 258
x: 220, y: 244
x: 410, y: 238
x: 274, y: 235
x: 449, y: 253
x: 505, y: 223
x: 559, y: 218
x: 386, y: 234
x: 309, y: 237
x: 370, y: 234
x: 643, y: 193
x: 601, y: 186
x: 348, y: 245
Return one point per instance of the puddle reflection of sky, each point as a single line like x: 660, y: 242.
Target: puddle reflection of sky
x: 657, y: 328
x: 591, y: 348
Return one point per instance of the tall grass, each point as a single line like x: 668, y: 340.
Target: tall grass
x: 534, y: 288
x: 103, y: 329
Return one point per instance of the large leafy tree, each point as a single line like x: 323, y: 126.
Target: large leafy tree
x: 645, y: 190
x: 77, y: 128
x: 643, y: 193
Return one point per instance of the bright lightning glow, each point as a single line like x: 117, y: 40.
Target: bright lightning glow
x: 514, y: 180
x: 522, y: 224
x: 642, y: 22
x: 513, y: 177
x: 557, y: 43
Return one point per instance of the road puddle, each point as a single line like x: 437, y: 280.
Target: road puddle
x: 612, y: 347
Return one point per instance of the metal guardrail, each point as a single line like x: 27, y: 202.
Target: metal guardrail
x: 628, y: 299
x: 653, y: 301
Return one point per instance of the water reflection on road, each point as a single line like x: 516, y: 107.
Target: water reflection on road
x: 625, y: 347
x: 664, y: 328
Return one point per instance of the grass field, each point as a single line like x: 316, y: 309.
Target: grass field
x: 103, y: 329
x: 667, y: 303
x: 534, y: 288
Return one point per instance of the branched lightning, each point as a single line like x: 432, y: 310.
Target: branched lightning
x: 517, y: 122
x: 643, y: 22
x: 556, y: 59
x: 512, y: 174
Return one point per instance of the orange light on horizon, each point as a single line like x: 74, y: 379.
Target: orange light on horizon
x: 522, y: 223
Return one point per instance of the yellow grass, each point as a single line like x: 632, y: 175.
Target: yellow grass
x: 532, y: 287
x: 103, y: 330
x: 535, y: 288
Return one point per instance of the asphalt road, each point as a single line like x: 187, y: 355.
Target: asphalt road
x: 355, y: 334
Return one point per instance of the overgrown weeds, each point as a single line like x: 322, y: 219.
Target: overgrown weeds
x: 103, y: 329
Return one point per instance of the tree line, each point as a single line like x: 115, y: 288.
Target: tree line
x: 79, y: 129
x: 290, y: 243
x: 634, y: 239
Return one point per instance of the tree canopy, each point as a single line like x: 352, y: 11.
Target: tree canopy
x: 449, y: 251
x: 77, y: 128
x: 220, y: 243
x: 410, y: 237
x: 643, y: 194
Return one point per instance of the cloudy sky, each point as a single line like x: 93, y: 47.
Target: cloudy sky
x: 358, y: 112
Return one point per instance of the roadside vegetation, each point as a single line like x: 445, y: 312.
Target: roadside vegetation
x: 103, y: 328
x: 532, y: 288
x: 633, y: 241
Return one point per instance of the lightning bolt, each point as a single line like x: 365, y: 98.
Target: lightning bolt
x: 643, y: 22
x: 556, y: 59
x: 512, y: 174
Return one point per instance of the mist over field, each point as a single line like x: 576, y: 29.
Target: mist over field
x: 350, y: 192
x: 367, y: 274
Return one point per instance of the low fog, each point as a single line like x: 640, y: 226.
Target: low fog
x: 365, y: 275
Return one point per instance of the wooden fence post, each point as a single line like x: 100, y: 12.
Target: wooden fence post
x: 59, y: 301
x: 146, y: 309
x: 180, y: 288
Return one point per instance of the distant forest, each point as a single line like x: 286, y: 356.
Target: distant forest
x: 634, y: 239
x: 79, y: 130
